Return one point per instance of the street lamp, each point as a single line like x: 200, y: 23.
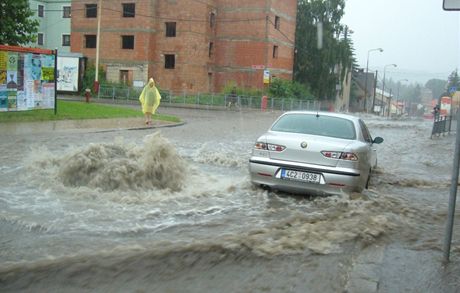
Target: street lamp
x: 383, y: 87
x: 367, y: 71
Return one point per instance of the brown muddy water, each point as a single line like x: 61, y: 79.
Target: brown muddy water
x: 98, y: 208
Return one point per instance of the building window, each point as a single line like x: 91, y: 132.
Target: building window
x: 127, y: 42
x: 65, y: 40
x: 129, y: 9
x: 275, y: 51
x: 40, y: 39
x: 91, y: 10
x: 126, y: 77
x: 212, y: 19
x: 90, y: 41
x: 211, y: 49
x: 41, y: 11
x: 170, y: 61
x: 170, y: 29
x: 277, y: 22
x: 66, y: 12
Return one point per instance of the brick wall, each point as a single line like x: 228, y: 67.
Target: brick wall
x: 241, y: 37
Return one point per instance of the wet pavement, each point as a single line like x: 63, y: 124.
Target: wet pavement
x: 110, y: 205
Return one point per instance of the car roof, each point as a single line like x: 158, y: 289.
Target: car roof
x: 322, y: 113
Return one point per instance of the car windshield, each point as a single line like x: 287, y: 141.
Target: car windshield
x: 316, y: 125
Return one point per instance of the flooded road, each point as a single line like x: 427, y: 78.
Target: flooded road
x: 172, y: 210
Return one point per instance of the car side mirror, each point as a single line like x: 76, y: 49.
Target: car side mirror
x: 377, y: 140
x: 451, y: 5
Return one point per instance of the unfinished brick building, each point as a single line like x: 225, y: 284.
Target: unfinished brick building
x: 188, y: 45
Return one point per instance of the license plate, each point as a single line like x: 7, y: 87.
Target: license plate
x: 300, y: 176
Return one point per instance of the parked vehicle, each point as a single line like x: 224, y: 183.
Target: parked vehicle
x: 314, y: 153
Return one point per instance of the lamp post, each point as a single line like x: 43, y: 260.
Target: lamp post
x: 397, y: 95
x: 98, y: 45
x: 365, y: 80
x: 384, y: 71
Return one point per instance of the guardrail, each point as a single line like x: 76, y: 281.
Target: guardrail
x: 215, y: 101
x: 441, y: 125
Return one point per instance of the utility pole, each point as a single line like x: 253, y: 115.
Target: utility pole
x: 98, y: 43
x: 375, y: 89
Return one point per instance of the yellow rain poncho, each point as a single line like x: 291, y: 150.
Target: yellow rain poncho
x: 150, y: 98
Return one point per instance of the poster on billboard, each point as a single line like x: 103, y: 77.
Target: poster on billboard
x: 67, y: 68
x: 27, y: 79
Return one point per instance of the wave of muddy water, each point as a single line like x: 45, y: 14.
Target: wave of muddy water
x: 174, y: 209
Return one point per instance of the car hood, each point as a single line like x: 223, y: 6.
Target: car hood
x: 309, y: 154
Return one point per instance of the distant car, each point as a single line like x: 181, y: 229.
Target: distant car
x: 314, y: 153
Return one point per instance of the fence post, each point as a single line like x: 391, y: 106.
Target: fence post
x: 127, y: 96
x: 113, y: 93
x: 273, y: 102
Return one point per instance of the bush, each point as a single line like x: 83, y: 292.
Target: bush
x: 88, y: 79
x: 281, y: 88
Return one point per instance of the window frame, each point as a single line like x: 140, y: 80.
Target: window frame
x: 42, y: 35
x: 212, y: 19
x: 90, y: 8
x: 41, y: 10
x: 126, y: 13
x: 86, y: 41
x: 277, y: 23
x: 170, y: 64
x: 62, y: 38
x: 126, y: 41
x: 365, y: 132
x: 171, y: 29
x: 69, y: 8
x: 211, y: 49
x: 275, y: 51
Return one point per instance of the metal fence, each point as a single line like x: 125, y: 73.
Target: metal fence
x: 442, y: 125
x: 212, y: 101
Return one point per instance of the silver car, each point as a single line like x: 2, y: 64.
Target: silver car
x: 314, y: 153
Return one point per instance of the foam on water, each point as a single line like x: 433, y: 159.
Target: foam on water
x: 118, y: 166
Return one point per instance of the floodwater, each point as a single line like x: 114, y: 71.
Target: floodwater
x: 88, y: 209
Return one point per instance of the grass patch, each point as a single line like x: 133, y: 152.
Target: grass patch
x: 68, y: 110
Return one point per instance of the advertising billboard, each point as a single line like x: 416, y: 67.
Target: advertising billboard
x: 68, y: 69
x: 27, y: 79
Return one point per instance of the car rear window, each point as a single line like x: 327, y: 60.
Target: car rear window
x: 316, y: 125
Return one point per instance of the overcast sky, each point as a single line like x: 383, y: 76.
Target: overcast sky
x: 417, y: 35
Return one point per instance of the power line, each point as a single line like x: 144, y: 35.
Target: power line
x: 230, y: 20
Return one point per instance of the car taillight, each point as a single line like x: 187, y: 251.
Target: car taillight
x: 340, y: 155
x: 269, y: 147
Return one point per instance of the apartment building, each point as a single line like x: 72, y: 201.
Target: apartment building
x: 188, y: 45
x: 54, y: 18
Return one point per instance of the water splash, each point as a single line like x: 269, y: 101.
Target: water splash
x: 120, y: 167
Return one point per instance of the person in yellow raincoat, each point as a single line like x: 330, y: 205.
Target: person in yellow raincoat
x: 150, y: 100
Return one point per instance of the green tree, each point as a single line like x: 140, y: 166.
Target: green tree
x: 437, y: 87
x: 321, y: 68
x: 17, y: 27
x: 454, y: 80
